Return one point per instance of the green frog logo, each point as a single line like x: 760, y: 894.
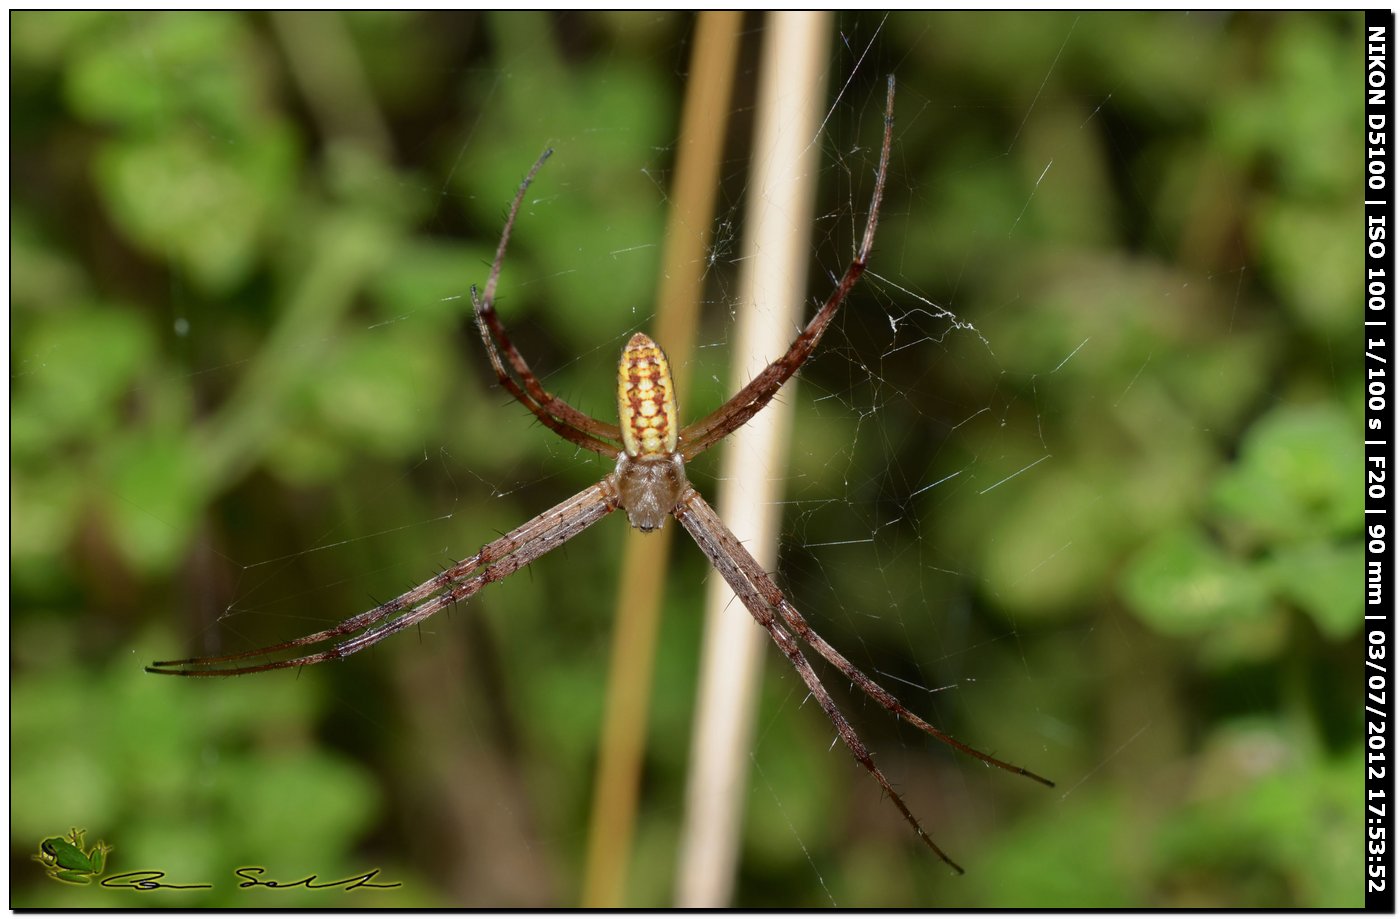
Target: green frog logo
x: 64, y: 860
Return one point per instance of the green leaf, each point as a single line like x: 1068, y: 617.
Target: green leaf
x: 152, y: 496
x: 200, y: 205
x: 1324, y: 580
x: 1024, y: 561
x: 72, y: 369
x: 1182, y: 584
x: 1306, y: 248
x: 430, y: 281
x: 152, y: 71
x: 1296, y: 475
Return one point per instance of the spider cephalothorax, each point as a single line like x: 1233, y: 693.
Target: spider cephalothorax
x: 649, y: 483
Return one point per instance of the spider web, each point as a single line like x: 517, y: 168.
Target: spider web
x: 918, y: 535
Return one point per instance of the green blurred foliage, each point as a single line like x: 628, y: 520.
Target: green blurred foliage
x: 1076, y: 467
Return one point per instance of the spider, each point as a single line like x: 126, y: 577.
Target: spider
x: 650, y: 484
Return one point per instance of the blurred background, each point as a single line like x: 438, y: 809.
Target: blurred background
x: 1074, y: 471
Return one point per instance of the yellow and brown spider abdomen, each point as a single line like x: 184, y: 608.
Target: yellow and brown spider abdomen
x: 646, y: 399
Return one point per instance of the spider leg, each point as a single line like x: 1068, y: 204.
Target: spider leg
x: 877, y: 692
x: 843, y: 728
x: 709, y: 533
x: 556, y: 414
x: 495, y: 561
x: 773, y: 597
x: 552, y: 417
x: 744, y: 404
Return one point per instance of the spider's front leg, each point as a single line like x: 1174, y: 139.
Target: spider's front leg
x: 554, y: 413
x: 747, y: 402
